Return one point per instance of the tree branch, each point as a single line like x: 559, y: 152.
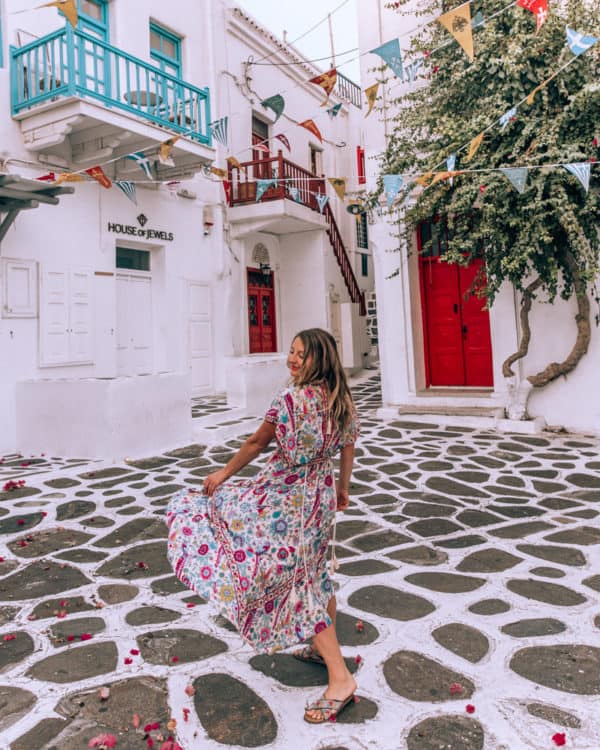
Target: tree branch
x: 526, y: 302
x: 555, y: 369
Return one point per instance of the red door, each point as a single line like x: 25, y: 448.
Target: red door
x: 261, y: 312
x: 458, y: 347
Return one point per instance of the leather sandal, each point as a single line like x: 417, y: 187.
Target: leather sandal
x: 329, y: 709
x: 308, y: 653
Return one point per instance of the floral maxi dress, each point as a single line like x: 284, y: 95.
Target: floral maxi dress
x: 257, y: 548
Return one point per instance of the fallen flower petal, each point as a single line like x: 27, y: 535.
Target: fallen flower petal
x: 103, y: 741
x: 360, y: 626
x: 358, y: 659
x: 85, y: 636
x: 142, y: 565
x: 104, y: 693
x: 186, y: 714
x: 136, y: 721
x: 70, y: 638
x: 150, y: 743
x: 455, y: 688
x: 128, y: 660
x: 61, y: 614
x: 174, y: 659
x: 134, y: 651
x: 64, y: 603
x: 560, y: 738
x: 470, y: 708
x: 189, y: 605
x: 9, y: 637
x: 20, y: 522
x: 172, y: 725
x: 152, y: 727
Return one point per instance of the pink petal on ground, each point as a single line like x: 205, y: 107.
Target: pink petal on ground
x: 190, y: 690
x: 560, y: 739
x: 470, y: 708
x: 103, y: 741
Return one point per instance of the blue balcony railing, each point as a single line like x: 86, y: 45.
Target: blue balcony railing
x: 72, y: 63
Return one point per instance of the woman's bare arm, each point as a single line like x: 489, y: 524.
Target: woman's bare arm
x: 343, y: 483
x: 251, y: 448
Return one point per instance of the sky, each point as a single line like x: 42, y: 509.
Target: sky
x: 298, y: 16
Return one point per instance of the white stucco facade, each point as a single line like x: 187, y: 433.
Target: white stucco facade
x: 570, y: 402
x: 113, y: 315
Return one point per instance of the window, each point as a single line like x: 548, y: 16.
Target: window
x: 134, y: 260
x: 93, y: 18
x: 364, y: 264
x: 316, y: 161
x: 362, y: 235
x: 432, y: 239
x: 360, y: 164
x: 260, y: 137
x: 165, y: 50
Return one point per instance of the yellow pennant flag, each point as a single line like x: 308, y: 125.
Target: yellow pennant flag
x: 68, y: 177
x: 232, y: 162
x: 458, y: 23
x: 67, y: 7
x: 371, y: 94
x: 474, y: 146
x: 440, y: 176
x: 339, y: 185
x: 531, y: 97
x: 222, y: 173
x: 164, y: 153
x: 326, y: 81
x: 424, y: 180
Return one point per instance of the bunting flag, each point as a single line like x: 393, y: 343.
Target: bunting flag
x: 67, y: 7
x: 441, y: 176
x: 391, y: 185
x: 294, y: 193
x: 507, y: 117
x: 392, y: 56
x: 411, y: 70
x: 478, y: 20
x: 339, y: 185
x: 261, y: 147
x: 334, y: 111
x: 451, y: 162
x: 311, y: 127
x: 218, y: 172
x: 517, y: 176
x: 539, y: 8
x: 128, y: 189
x: 326, y: 81
x: 49, y: 177
x: 164, y: 152
x: 581, y: 170
x: 531, y: 96
x: 275, y: 103
x: 424, y: 180
x: 284, y: 139
x: 143, y: 163
x: 233, y: 163
x: 579, y: 43
x: 172, y: 185
x: 227, y: 190
x: 218, y: 130
x: 371, y: 94
x: 262, y: 186
x: 68, y: 177
x: 458, y: 23
x: 321, y: 201
x: 100, y: 176
x: 474, y: 146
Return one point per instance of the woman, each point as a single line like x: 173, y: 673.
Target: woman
x: 258, y: 547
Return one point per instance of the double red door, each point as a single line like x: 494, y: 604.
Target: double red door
x: 261, y: 312
x: 456, y: 326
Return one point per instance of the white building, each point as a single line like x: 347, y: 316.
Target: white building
x: 438, y: 354
x: 113, y: 315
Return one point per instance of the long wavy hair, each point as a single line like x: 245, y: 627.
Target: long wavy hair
x: 322, y: 364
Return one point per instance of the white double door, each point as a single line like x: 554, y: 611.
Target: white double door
x: 135, y: 329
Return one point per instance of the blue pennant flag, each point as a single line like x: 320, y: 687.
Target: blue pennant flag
x: 321, y: 201
x: 143, y: 162
x: 218, y: 130
x: 451, y: 162
x: 411, y: 71
x: 391, y: 185
x: 333, y: 111
x: 128, y: 188
x: 391, y: 56
x: 276, y: 103
x: 477, y: 20
x: 579, y: 43
x: 507, y: 117
x: 294, y: 193
x: 517, y: 176
x: 581, y: 170
x: 262, y: 186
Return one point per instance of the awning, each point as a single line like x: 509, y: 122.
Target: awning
x: 18, y: 194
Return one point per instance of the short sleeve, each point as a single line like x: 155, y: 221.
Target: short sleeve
x: 351, y: 430
x: 281, y: 415
x: 274, y: 411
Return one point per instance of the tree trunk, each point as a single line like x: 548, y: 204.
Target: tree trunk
x: 525, y: 329
x: 555, y: 369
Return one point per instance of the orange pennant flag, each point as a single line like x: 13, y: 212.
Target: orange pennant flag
x: 67, y: 7
x: 424, y: 180
x: 100, y: 176
x: 531, y: 97
x: 68, y: 177
x: 474, y: 146
x: 440, y: 176
x: 310, y: 126
x: 222, y: 173
x: 339, y: 185
x: 458, y: 23
x: 326, y: 81
x: 371, y: 94
x: 164, y: 153
x: 233, y: 163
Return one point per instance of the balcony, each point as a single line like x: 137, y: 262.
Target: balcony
x: 69, y: 81
x: 288, y: 206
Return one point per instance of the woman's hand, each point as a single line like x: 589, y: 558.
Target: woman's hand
x: 213, y: 480
x: 343, y: 499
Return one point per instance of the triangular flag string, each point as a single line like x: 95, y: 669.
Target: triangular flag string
x: 391, y: 55
x: 581, y: 170
x: 458, y: 22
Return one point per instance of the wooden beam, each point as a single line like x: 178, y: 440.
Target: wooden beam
x: 7, y: 221
x: 27, y: 196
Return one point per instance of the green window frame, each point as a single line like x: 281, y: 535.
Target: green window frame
x: 362, y: 232
x: 364, y: 264
x: 93, y: 18
x: 165, y: 49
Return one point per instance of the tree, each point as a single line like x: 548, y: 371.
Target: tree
x: 544, y: 241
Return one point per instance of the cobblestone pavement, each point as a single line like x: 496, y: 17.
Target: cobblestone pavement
x: 468, y: 593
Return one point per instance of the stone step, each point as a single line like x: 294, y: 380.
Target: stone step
x: 220, y: 433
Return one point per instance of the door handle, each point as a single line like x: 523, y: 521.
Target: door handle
x: 464, y: 330
x: 455, y: 308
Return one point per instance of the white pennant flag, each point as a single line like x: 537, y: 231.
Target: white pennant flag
x: 581, y: 170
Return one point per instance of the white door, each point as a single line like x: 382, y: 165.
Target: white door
x: 134, y: 324
x: 335, y: 319
x: 199, y: 337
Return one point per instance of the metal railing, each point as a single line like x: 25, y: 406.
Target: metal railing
x: 294, y: 183
x: 69, y: 62
x: 348, y: 90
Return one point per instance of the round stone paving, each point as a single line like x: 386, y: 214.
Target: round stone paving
x: 446, y: 733
x: 462, y: 640
x: 553, y: 715
x: 14, y: 703
x: 447, y: 582
x: 534, y: 627
x: 178, y: 646
x: 74, y: 664
x: 388, y: 602
x: 489, y: 607
x: 549, y: 593
x: 570, y: 668
x: 418, y: 678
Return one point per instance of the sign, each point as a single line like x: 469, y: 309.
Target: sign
x: 146, y: 234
